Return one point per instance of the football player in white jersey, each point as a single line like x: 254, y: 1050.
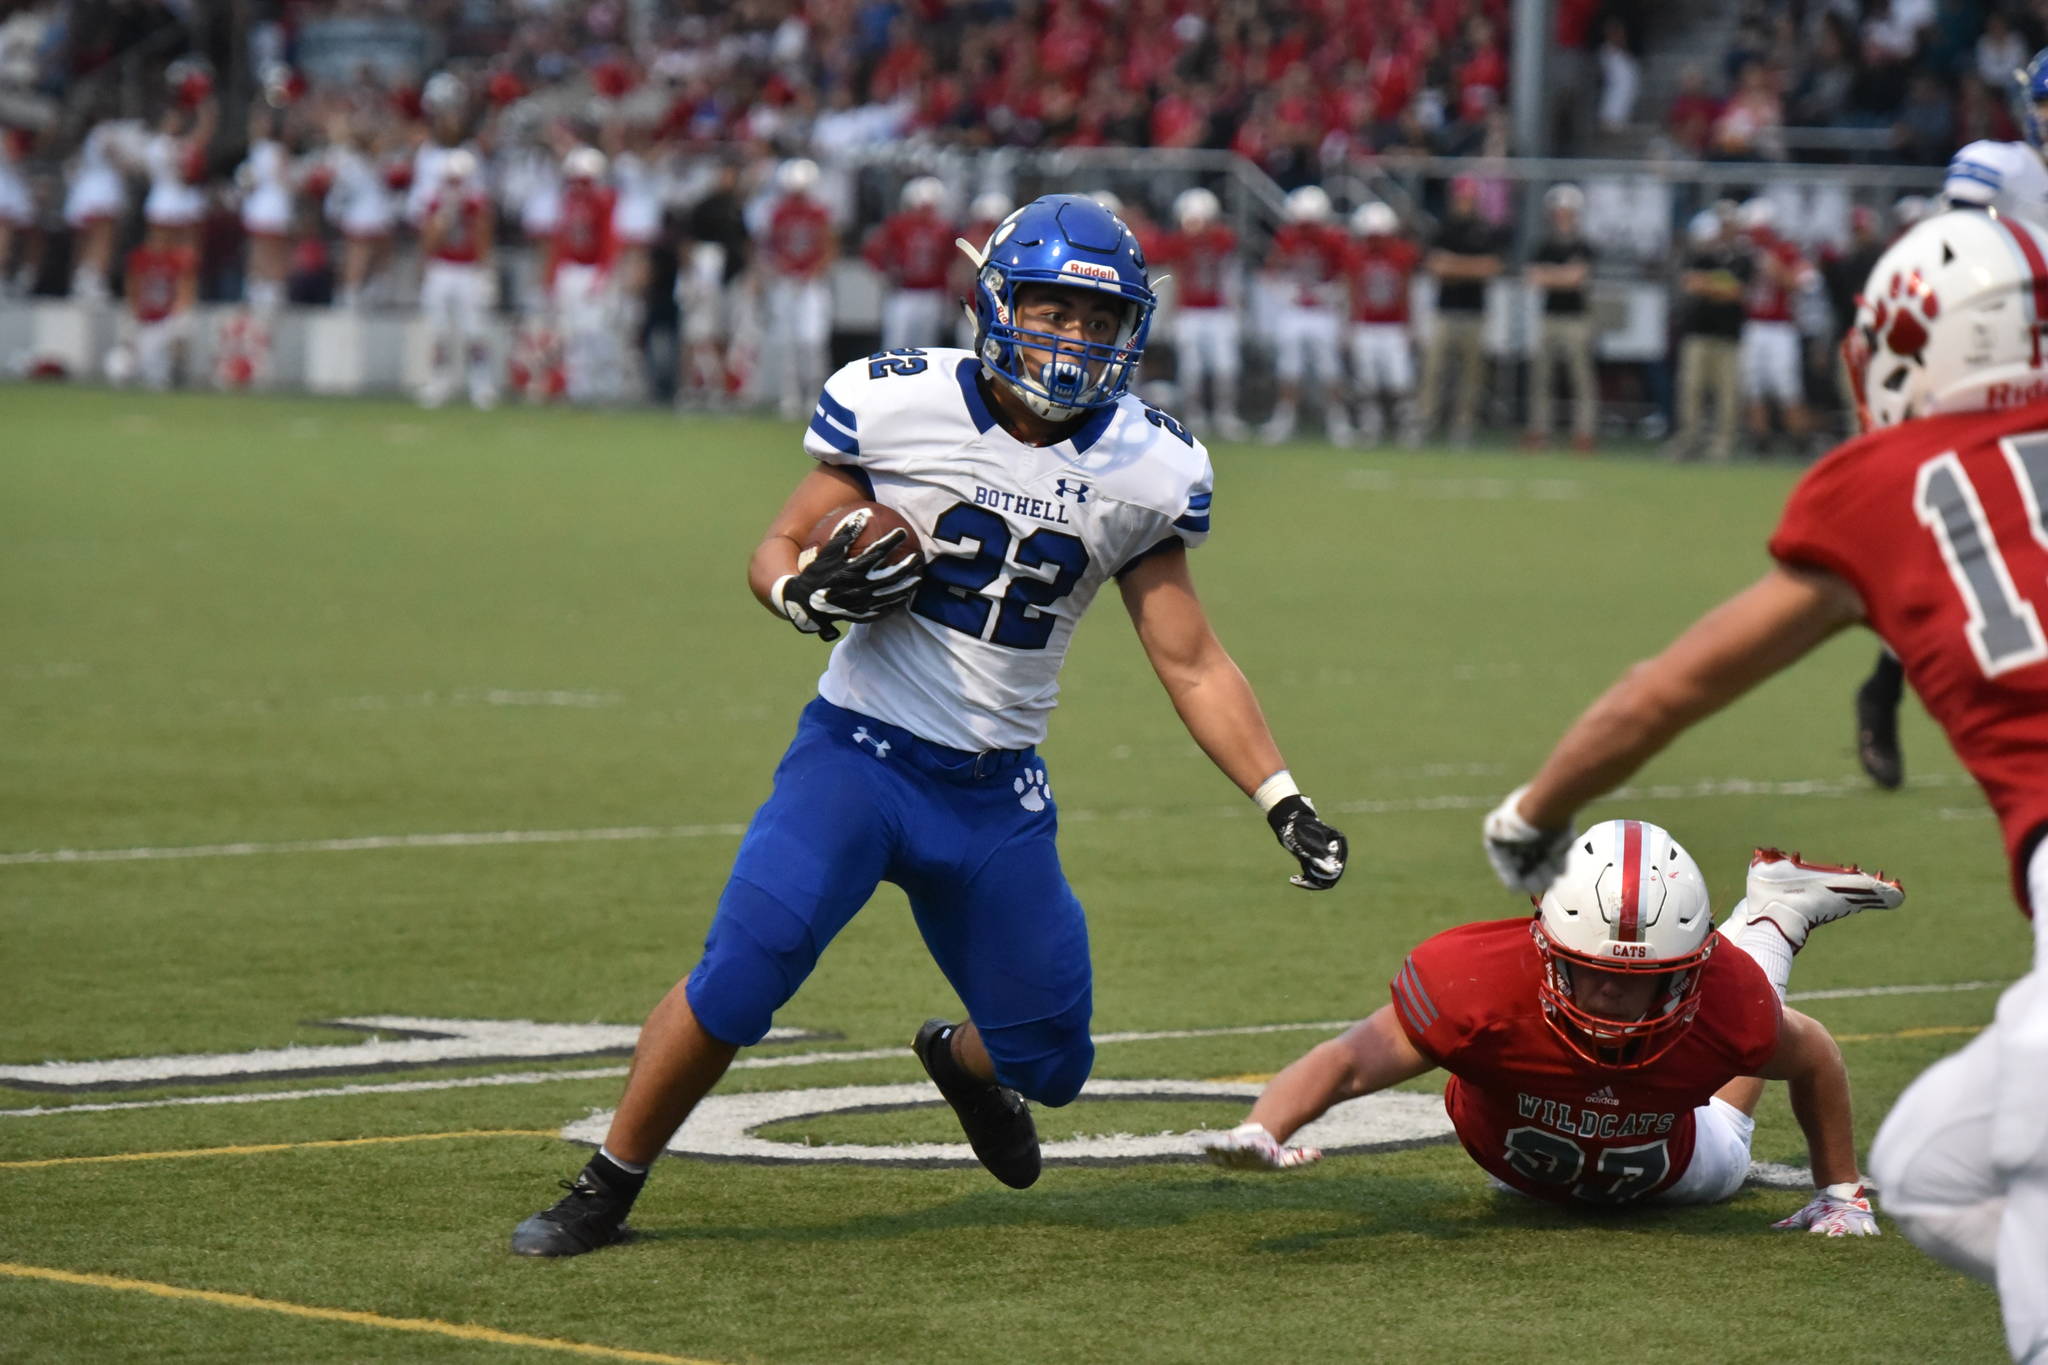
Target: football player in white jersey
x: 1033, y: 478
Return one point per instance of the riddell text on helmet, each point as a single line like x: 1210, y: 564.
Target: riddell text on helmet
x: 2015, y: 395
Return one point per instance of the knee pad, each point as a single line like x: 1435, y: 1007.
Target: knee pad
x: 756, y: 954
x: 1046, y: 1060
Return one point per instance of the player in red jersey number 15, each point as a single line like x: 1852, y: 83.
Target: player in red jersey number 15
x: 1927, y: 528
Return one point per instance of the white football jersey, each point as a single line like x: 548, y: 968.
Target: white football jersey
x: 1018, y: 540
x: 2007, y: 176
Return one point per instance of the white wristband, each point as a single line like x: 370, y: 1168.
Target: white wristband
x: 1275, y: 789
x: 1843, y: 1192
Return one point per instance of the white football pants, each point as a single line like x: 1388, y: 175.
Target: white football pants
x: 1962, y: 1159
x: 455, y: 299
x: 913, y: 317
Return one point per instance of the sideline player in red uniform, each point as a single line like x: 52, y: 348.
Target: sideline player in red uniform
x: 913, y: 250
x: 581, y: 254
x: 1769, y: 359
x: 799, y: 247
x: 1307, y: 269
x: 1613, y: 1049
x: 457, y: 286
x: 1928, y: 529
x: 1202, y: 253
x: 1380, y: 267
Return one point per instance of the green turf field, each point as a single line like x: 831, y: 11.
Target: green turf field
x: 255, y: 653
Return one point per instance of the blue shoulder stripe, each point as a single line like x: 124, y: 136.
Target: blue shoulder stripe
x: 833, y: 436
x: 837, y: 410
x: 1195, y: 522
x: 1200, y: 502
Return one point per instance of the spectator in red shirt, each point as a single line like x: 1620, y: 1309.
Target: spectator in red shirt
x: 1690, y: 120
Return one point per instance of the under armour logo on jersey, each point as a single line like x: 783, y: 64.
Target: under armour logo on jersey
x: 1604, y: 1095
x: 861, y: 736
x: 1078, y: 489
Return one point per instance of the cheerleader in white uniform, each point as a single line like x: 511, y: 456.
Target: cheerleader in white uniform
x: 265, y: 179
x: 97, y: 200
x: 362, y: 204
x: 176, y: 162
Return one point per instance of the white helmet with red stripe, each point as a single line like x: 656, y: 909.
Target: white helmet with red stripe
x: 1629, y: 900
x: 1950, y: 320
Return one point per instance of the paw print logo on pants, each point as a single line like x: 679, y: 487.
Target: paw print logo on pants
x: 1032, y: 791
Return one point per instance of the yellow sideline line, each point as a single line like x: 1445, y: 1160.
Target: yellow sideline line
x: 462, y: 1330
x: 1931, y: 1031
x: 254, y: 1148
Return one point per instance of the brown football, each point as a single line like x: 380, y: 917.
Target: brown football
x: 877, y: 521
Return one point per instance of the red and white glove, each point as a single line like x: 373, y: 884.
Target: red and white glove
x: 1249, y: 1147
x: 1837, y: 1211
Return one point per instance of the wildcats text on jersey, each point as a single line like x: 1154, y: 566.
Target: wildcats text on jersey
x: 1562, y: 1116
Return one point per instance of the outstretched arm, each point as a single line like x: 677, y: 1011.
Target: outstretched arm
x: 1760, y: 631
x: 1367, y: 1057
x: 1811, y: 1065
x: 1218, y: 707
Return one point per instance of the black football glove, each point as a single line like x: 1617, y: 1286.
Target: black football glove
x: 833, y: 587
x: 1321, y: 849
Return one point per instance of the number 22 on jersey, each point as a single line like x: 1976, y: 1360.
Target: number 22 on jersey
x: 2000, y: 583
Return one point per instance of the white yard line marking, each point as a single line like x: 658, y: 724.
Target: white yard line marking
x: 1705, y: 788
x: 872, y: 1054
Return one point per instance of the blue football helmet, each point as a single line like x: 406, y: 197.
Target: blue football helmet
x: 1069, y: 240
x: 2030, y: 89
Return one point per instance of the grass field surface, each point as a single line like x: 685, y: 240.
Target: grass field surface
x: 317, y: 710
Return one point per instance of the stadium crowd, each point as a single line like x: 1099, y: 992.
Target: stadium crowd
x: 657, y: 197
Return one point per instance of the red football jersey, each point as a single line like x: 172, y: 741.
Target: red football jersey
x: 1380, y: 269
x: 1536, y: 1115
x: 914, y: 249
x: 155, y: 276
x: 462, y: 219
x: 799, y: 237
x: 1200, y: 262
x: 1767, y: 300
x: 583, y: 228
x: 1308, y: 256
x: 1937, y: 524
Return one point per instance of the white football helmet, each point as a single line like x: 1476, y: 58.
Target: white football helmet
x: 1756, y: 215
x: 990, y: 206
x: 923, y: 192
x: 1565, y: 197
x: 444, y: 93
x: 1704, y: 229
x: 1629, y: 900
x: 1109, y: 199
x: 1950, y: 320
x: 1375, y: 219
x: 1196, y: 207
x: 797, y: 176
x: 459, y: 166
x: 1308, y: 204
x: 583, y: 163
x: 1910, y: 209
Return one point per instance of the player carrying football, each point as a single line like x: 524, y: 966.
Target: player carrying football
x: 1612, y: 1049
x: 1033, y: 479
x: 1928, y: 528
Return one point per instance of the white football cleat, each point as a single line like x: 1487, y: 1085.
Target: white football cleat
x: 1792, y: 895
x: 1249, y: 1147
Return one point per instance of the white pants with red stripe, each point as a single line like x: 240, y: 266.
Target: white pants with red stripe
x: 1768, y: 361
x: 1306, y: 340
x: 799, y: 325
x: 913, y: 317
x: 456, y: 301
x: 587, y: 314
x: 1962, y: 1160
x: 1382, y: 358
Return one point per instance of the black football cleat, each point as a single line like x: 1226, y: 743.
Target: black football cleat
x: 1877, y: 730
x: 589, y: 1216
x: 996, y: 1118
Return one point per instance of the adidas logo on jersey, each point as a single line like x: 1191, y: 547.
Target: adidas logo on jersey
x: 1604, y: 1095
